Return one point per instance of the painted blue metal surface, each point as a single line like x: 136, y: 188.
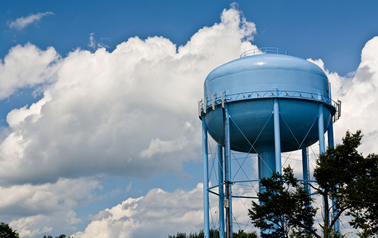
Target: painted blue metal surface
x: 331, y: 143
x: 321, y: 129
x: 228, y: 171
x: 205, y: 181
x: 249, y: 84
x: 277, y: 136
x: 265, y: 104
x: 305, y: 169
x: 220, y: 189
x: 265, y: 72
x: 306, y: 174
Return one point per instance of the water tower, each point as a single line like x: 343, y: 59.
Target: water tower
x: 266, y: 102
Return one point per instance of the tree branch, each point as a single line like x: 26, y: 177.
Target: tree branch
x: 317, y: 189
x: 305, y: 227
x: 337, y: 216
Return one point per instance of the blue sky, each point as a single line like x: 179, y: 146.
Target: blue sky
x: 327, y: 29
x: 98, y: 101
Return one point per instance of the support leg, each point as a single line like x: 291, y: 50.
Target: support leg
x: 227, y: 145
x: 205, y: 180
x: 277, y: 137
x: 321, y: 129
x: 331, y: 143
x: 322, y: 151
x: 306, y: 174
x: 221, y: 194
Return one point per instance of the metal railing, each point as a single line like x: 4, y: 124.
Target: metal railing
x: 207, y: 104
x: 264, y: 50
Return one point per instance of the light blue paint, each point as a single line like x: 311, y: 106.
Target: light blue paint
x: 227, y: 128
x: 306, y: 172
x: 331, y: 143
x: 305, y: 169
x: 272, y: 102
x: 252, y: 81
x: 205, y: 180
x: 221, y: 194
x: 277, y: 137
x: 321, y: 129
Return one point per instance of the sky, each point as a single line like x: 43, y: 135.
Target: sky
x: 99, y: 132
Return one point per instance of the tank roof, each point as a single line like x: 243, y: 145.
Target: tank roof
x: 265, y: 62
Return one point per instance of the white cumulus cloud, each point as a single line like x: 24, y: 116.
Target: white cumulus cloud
x: 37, y: 209
x: 359, y: 97
x: 157, y: 214
x: 27, y: 66
x: 131, y: 112
x: 22, y: 22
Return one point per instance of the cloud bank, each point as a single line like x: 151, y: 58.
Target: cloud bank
x: 34, y: 210
x: 25, y: 67
x: 359, y: 96
x: 131, y: 112
x: 137, y: 218
x: 158, y: 214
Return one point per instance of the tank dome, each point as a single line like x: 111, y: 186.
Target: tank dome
x: 265, y: 72
x: 250, y: 84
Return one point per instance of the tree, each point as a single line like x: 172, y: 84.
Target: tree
x: 242, y: 234
x: 214, y: 234
x: 8, y: 232
x: 60, y: 236
x: 179, y: 235
x: 285, y: 206
x: 343, y: 175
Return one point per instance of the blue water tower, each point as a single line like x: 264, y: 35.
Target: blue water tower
x: 266, y: 102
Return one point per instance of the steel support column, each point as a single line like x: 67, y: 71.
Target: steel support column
x: 221, y: 194
x: 321, y: 129
x: 205, y: 180
x: 227, y: 145
x: 306, y: 174
x: 277, y: 136
x: 321, y: 143
x: 305, y: 168
x: 331, y: 144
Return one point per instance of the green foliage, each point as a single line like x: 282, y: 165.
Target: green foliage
x: 179, y: 235
x: 61, y: 236
x: 201, y: 234
x: 333, y: 234
x: 183, y: 235
x: 362, y: 196
x: 214, y: 234
x: 342, y: 173
x: 363, y: 233
x: 8, y: 232
x: 284, y: 206
x: 242, y: 234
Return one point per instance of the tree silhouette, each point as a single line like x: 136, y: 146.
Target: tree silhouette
x: 342, y: 174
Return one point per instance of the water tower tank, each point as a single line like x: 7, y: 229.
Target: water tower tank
x: 250, y: 84
x: 264, y: 103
